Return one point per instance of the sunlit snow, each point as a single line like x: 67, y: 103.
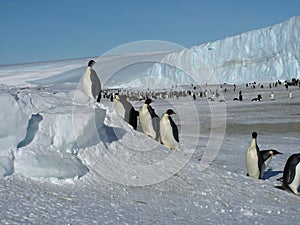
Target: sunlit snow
x: 65, y: 159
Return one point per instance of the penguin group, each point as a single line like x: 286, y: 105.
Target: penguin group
x: 162, y: 129
x: 257, y: 161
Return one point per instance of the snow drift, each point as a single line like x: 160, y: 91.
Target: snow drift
x: 41, y: 132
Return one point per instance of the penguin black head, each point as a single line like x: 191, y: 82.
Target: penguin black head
x: 254, y: 135
x: 170, y: 112
x: 91, y: 63
x: 148, y: 101
x: 116, y: 96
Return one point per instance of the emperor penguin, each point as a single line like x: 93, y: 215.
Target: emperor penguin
x: 130, y: 113
x: 254, y: 160
x: 169, y: 131
x: 149, y: 120
x: 291, y: 174
x: 91, y: 83
x: 125, y: 109
x: 267, y: 157
x: 118, y: 105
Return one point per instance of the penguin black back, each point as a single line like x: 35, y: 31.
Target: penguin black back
x: 260, y: 158
x: 289, y: 169
x: 151, y: 111
x: 173, y: 125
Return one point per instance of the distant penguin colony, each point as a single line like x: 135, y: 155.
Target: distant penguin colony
x: 149, y: 120
x: 164, y: 130
x: 169, y: 131
x: 91, y: 83
x: 254, y: 159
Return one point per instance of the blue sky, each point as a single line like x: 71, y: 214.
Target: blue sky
x: 42, y: 30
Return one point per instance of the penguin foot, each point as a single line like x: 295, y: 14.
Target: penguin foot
x: 280, y: 179
x: 280, y: 187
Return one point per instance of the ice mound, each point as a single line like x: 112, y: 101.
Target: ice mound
x: 66, y: 131
x: 14, y: 121
x: 42, y: 131
x: 48, y: 163
x: 12, y: 129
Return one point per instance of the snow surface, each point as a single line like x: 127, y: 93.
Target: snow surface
x: 65, y: 159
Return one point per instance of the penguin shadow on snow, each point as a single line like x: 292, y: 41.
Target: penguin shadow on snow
x: 111, y: 134
x: 104, y: 134
x: 270, y: 173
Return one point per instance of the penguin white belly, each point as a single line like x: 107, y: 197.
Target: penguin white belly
x: 166, y: 134
x: 252, y: 164
x: 87, y: 85
x: 119, y: 108
x: 296, y: 181
x: 146, y: 122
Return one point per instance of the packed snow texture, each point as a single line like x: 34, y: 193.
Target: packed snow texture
x: 54, y: 178
x: 65, y: 159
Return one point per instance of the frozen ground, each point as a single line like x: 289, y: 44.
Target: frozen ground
x: 97, y: 172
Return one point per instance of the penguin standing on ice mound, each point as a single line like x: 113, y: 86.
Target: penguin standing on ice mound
x: 125, y: 109
x: 149, y: 120
x: 267, y: 157
x: 91, y: 83
x: 254, y: 160
x: 169, y: 131
x: 131, y: 114
x: 118, y: 105
x: 291, y: 174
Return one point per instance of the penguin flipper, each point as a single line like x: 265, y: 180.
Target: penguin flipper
x: 260, y: 164
x: 281, y: 187
x: 284, y: 188
x: 151, y: 111
x: 133, y: 118
x: 280, y: 179
x: 99, y: 96
x: 174, y: 128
